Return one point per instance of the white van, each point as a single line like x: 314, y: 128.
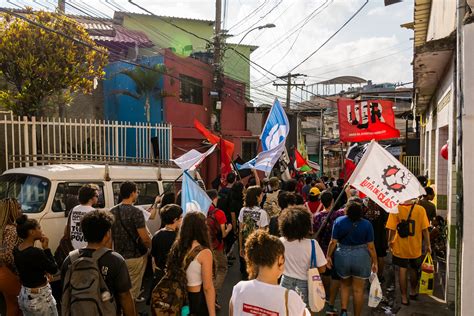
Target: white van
x: 47, y: 193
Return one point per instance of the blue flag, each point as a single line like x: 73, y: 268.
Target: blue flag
x: 273, y: 139
x: 276, y: 127
x: 193, y: 198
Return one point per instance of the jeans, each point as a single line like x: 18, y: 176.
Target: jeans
x: 299, y: 286
x: 37, y: 302
x: 352, y: 261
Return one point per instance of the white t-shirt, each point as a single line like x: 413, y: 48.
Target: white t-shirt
x: 77, y: 238
x: 298, y: 257
x: 263, y: 299
x: 259, y: 216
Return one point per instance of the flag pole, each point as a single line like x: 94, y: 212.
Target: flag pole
x: 333, y: 208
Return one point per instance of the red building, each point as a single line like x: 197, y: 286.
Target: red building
x: 190, y: 82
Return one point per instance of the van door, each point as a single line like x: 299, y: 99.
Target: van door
x: 64, y: 199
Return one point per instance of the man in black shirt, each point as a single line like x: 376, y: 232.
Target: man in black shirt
x: 96, y: 227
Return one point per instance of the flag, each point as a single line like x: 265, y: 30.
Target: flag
x: 276, y: 127
x: 244, y: 172
x: 353, y: 156
x: 304, y: 165
x: 366, y: 120
x: 193, y: 198
x: 191, y: 159
x: 273, y: 139
x: 212, y: 138
x: 384, y: 179
x: 226, y: 147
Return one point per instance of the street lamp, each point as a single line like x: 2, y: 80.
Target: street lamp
x: 266, y: 26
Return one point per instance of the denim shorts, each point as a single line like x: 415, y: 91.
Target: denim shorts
x: 299, y: 286
x: 352, y: 261
x: 37, y: 302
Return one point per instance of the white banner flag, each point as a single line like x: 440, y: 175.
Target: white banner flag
x: 384, y: 179
x: 192, y: 159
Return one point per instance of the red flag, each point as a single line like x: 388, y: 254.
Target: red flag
x: 366, y: 120
x: 213, y: 139
x: 299, y: 159
x: 226, y: 147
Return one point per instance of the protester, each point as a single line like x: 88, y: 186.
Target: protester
x: 130, y: 236
x: 295, y: 227
x: 218, y: 230
x: 285, y: 199
x: 9, y: 281
x: 330, y: 278
x: 168, y: 198
x: 265, y: 257
x: 251, y: 217
x: 291, y: 186
x: 353, y: 247
x: 427, y: 204
x: 171, y: 217
x: 377, y: 216
x: 271, y: 201
x: 193, y: 241
x: 314, y: 204
x: 336, y: 191
x: 97, y: 229
x: 236, y: 204
x: 35, y: 266
x: 306, y: 188
x: 88, y: 196
x: 407, y: 251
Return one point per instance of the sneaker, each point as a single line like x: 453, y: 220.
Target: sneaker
x: 140, y: 299
x: 331, y: 310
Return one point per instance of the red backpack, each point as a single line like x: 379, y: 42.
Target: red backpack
x: 214, y: 227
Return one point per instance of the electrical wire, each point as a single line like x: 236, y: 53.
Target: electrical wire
x: 330, y: 37
x: 253, y: 12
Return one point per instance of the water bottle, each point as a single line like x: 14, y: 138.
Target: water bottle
x: 185, y: 310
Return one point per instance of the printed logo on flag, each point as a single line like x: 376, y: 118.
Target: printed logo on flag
x: 396, y: 179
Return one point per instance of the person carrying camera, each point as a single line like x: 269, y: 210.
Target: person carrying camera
x: 407, y: 229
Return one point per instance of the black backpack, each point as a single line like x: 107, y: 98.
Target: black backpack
x: 85, y: 291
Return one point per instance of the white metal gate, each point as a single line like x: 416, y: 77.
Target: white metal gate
x: 41, y: 140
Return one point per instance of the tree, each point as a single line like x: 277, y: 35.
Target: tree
x: 147, y: 85
x: 40, y: 65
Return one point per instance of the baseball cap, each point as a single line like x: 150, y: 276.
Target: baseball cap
x: 314, y: 191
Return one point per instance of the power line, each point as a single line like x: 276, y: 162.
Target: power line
x: 249, y: 15
x: 261, y: 18
x: 330, y: 37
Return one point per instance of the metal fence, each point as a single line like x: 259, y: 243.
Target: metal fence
x: 413, y: 163
x: 42, y: 140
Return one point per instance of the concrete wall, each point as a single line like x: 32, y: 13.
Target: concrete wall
x: 442, y: 19
x: 467, y: 270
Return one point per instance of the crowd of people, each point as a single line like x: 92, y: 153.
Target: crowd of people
x: 276, y: 225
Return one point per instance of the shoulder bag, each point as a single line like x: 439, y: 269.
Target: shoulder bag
x: 316, y: 293
x: 142, y: 249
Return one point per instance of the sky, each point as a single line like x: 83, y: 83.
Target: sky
x: 372, y: 46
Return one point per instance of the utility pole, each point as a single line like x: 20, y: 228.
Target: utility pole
x: 217, y: 80
x: 289, y: 85
x: 62, y: 6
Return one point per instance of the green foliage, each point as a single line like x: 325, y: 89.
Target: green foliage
x: 146, y: 84
x: 39, y: 65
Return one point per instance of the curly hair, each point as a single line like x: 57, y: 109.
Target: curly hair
x: 96, y: 224
x: 294, y: 223
x: 262, y: 250
x: 194, y: 227
x: 354, y: 209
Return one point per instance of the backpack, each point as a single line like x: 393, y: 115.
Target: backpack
x: 271, y: 204
x: 215, y: 230
x: 248, y: 227
x: 170, y: 295
x: 85, y: 291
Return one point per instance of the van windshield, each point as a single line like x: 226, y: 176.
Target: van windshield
x: 31, y: 191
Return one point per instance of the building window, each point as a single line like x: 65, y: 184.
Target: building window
x: 249, y: 150
x: 190, y: 90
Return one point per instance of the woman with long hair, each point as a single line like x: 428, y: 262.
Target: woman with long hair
x: 34, y: 265
x: 353, y: 247
x: 192, y: 248
x: 10, y: 285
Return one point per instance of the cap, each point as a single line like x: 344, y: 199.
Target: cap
x: 314, y: 191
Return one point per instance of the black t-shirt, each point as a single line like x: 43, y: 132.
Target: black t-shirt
x: 32, y: 263
x: 128, y: 219
x: 113, y: 269
x: 161, y: 246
